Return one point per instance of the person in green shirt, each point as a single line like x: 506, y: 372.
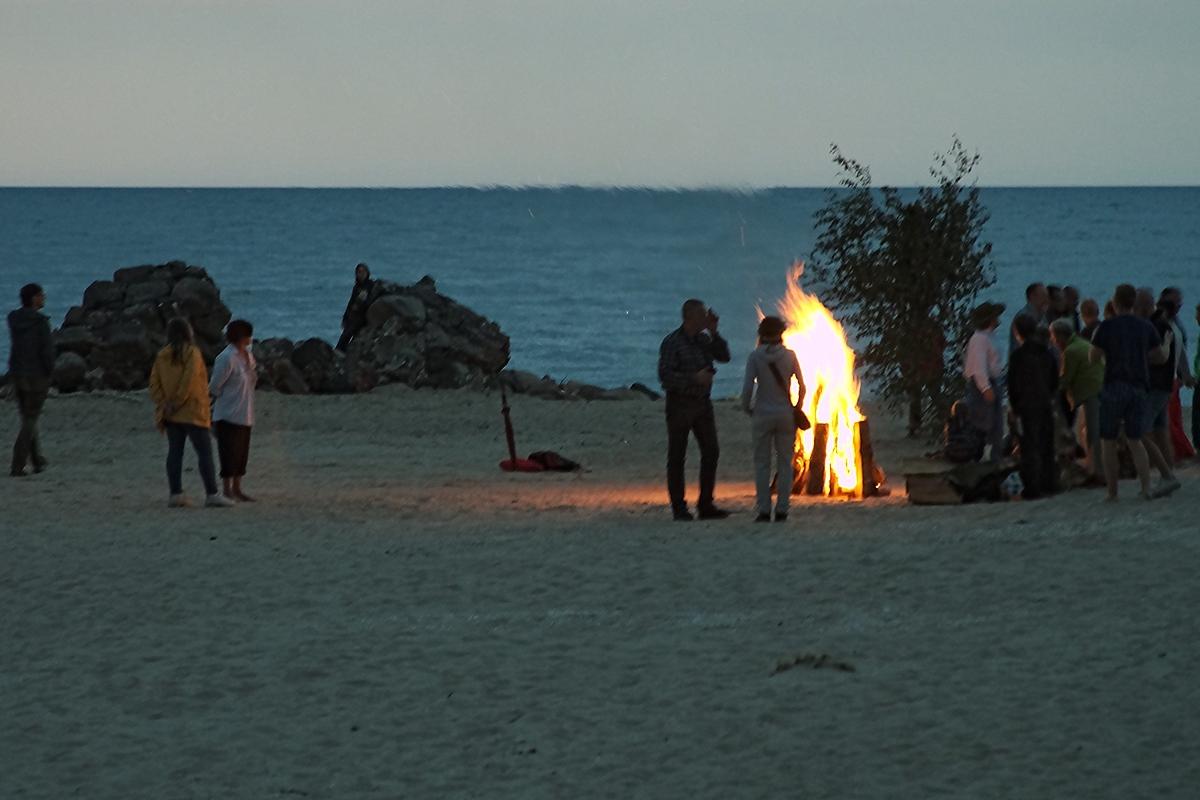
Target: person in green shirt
x: 1082, y: 382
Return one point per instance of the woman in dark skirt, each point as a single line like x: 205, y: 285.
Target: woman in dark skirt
x: 234, y: 377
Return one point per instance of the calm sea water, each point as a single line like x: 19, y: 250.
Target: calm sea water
x: 586, y: 282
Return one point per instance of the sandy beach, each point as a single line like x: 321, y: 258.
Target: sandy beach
x: 396, y: 617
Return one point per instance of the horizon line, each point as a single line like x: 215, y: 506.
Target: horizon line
x: 484, y: 187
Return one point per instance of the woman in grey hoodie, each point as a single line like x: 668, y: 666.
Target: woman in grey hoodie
x: 771, y: 419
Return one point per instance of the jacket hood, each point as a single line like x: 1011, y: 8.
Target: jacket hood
x: 23, y: 319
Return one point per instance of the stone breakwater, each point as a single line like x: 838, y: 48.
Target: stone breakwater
x: 413, y: 335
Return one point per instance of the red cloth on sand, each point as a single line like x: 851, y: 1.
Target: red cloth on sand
x: 1179, y: 440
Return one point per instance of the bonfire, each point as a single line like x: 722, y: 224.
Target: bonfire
x: 833, y: 457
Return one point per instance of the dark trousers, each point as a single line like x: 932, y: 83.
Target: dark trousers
x: 233, y: 447
x: 177, y: 434
x: 31, y: 396
x: 1039, y: 467
x: 348, y: 333
x: 691, y: 415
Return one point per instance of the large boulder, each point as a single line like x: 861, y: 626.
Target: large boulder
x: 312, y: 352
x: 409, y: 311
x: 80, y: 339
x: 146, y: 292
x: 70, y: 372
x: 103, y: 294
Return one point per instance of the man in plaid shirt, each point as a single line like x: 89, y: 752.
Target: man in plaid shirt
x: 685, y: 369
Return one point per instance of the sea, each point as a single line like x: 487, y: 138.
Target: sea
x: 586, y: 282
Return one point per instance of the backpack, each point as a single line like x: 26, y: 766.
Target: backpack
x: 553, y: 462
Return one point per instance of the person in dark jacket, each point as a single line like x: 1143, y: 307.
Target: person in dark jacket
x: 355, y: 316
x: 1032, y: 384
x: 30, y: 365
x: 685, y: 369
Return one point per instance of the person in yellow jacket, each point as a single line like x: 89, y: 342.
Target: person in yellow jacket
x: 179, y: 387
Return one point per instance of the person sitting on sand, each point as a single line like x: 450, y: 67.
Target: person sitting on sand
x: 963, y: 441
x: 1127, y: 344
x: 685, y: 369
x: 355, y: 316
x: 179, y: 387
x: 771, y: 367
x: 232, y: 385
x: 1032, y: 383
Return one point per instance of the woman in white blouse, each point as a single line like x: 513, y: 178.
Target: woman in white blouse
x: 234, y: 377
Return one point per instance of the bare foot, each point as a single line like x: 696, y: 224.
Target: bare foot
x: 245, y: 498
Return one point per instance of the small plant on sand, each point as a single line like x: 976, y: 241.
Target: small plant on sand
x: 903, y: 271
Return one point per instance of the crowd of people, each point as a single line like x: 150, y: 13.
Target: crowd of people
x: 1105, y: 385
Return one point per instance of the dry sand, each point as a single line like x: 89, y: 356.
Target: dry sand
x: 397, y: 618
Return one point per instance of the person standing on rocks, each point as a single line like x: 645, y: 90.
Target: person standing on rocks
x: 30, y: 365
x: 355, y: 317
x: 685, y: 369
x: 234, y: 377
x: 179, y: 387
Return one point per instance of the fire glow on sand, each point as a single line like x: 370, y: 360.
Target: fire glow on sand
x: 833, y: 457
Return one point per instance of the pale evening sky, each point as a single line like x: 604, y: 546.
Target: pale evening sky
x: 646, y: 93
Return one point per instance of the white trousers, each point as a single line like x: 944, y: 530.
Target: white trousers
x: 778, y: 431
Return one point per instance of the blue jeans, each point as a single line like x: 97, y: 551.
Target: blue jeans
x: 988, y: 417
x: 177, y: 434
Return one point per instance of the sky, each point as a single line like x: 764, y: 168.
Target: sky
x: 738, y: 94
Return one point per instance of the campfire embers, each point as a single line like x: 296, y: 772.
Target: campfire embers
x: 834, y: 457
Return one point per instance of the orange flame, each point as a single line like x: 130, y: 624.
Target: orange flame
x: 831, y: 390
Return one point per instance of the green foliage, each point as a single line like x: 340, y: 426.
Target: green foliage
x: 904, y: 277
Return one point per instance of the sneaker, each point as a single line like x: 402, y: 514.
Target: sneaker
x: 712, y: 513
x: 179, y: 501
x: 218, y: 501
x: 683, y: 516
x: 1166, y: 488
x: 763, y: 518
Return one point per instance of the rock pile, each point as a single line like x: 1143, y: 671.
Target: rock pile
x: 413, y: 336
x: 546, y: 388
x: 110, y: 341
